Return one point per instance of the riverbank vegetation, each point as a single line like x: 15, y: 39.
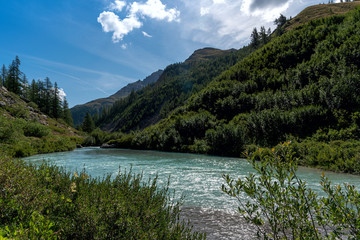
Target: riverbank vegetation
x: 282, y: 206
x: 46, y: 202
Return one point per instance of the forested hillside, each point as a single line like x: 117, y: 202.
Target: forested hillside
x: 303, y: 84
x: 97, y: 106
x: 177, y: 83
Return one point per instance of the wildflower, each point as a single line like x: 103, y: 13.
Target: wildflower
x: 73, y: 187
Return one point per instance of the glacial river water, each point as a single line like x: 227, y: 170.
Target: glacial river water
x: 198, y: 177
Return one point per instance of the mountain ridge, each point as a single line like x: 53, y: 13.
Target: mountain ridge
x: 175, y: 85
x: 97, y: 105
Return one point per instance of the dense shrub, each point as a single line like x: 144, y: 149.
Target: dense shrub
x: 34, y: 129
x: 46, y: 202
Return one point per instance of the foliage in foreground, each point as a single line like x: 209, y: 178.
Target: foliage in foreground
x: 282, y: 206
x: 47, y: 202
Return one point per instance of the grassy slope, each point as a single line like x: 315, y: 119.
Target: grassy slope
x: 25, y: 131
x: 320, y: 11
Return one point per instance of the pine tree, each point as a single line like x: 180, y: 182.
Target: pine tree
x: 47, y: 100
x: 67, y: 113
x: 41, y: 95
x: 34, y: 92
x: 255, y: 38
x: 279, y: 22
x: 56, y: 103
x: 13, y: 80
x: 263, y: 35
x: 88, y: 125
x: 3, y: 75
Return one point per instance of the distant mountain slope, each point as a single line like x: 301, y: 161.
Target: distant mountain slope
x: 177, y: 83
x: 302, y: 84
x: 79, y: 111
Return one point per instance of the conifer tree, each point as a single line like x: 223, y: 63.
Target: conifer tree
x: 13, y: 80
x: 41, y: 95
x: 255, y: 39
x: 88, y: 125
x: 3, y: 75
x: 279, y: 22
x: 263, y: 35
x: 47, y: 100
x: 56, y: 107
x: 67, y: 113
x: 34, y: 92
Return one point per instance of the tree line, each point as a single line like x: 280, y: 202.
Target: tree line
x: 42, y: 93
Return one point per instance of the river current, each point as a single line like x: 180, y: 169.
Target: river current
x: 197, y: 177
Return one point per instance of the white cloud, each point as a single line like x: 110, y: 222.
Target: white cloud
x: 117, y: 5
x: 228, y: 23
x: 111, y: 22
x: 62, y: 94
x: 124, y: 46
x: 153, y: 9
x: 146, y: 34
x: 204, y: 11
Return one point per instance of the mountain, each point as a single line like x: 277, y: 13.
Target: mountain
x: 25, y: 130
x: 177, y: 83
x: 96, y: 106
x: 303, y: 84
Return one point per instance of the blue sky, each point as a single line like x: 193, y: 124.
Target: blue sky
x: 92, y: 48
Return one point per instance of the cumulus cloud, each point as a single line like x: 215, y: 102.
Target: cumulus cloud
x: 228, y: 23
x: 111, y: 22
x: 153, y: 9
x: 117, y: 5
x: 146, y: 34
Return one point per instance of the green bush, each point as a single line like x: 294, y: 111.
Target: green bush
x: 282, y: 206
x: 34, y: 129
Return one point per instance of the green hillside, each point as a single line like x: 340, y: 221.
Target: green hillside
x: 302, y: 85
x: 320, y: 11
x: 177, y: 83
